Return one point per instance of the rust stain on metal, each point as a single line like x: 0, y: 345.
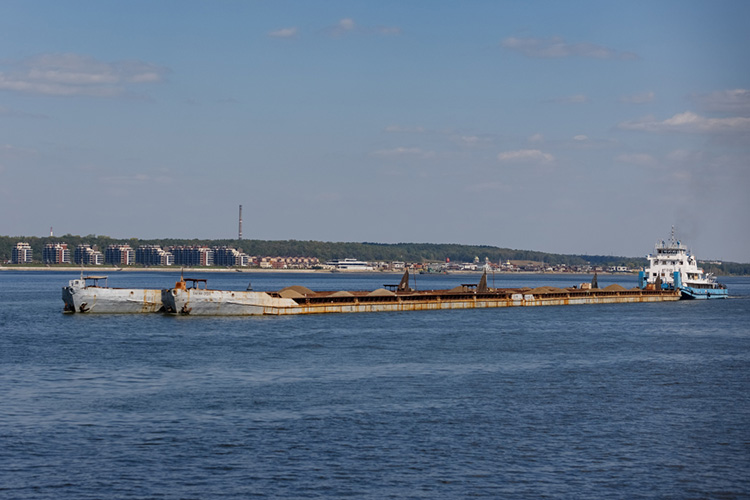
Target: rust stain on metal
x: 195, y: 300
x: 425, y: 301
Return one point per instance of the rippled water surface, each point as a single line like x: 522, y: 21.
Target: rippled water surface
x: 608, y: 401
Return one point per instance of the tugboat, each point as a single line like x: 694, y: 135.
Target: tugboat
x: 673, y: 267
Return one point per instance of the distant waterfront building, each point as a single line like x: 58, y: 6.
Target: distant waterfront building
x: 119, y: 254
x: 153, y: 255
x: 56, y: 253
x: 350, y: 265
x: 301, y: 262
x: 265, y: 262
x: 21, y: 253
x: 226, y: 256
x: 85, y: 255
x: 192, y: 255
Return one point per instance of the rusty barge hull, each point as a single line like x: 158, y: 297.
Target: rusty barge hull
x: 436, y: 304
x: 111, y: 300
x: 227, y: 303
x: 80, y: 297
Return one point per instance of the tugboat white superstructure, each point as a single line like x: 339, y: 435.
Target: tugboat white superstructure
x: 672, y: 266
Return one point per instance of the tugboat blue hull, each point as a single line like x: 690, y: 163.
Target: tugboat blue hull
x: 703, y: 293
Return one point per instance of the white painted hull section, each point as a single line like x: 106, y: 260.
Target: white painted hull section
x: 111, y: 300
x: 223, y: 303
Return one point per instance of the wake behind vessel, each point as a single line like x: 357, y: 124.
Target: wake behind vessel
x: 673, y: 267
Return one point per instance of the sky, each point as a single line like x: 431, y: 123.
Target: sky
x: 580, y: 127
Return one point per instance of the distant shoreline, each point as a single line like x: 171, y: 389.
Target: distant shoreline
x: 176, y: 269
x: 93, y: 270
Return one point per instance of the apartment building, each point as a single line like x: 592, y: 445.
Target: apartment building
x: 86, y: 255
x: 21, y: 253
x: 227, y: 256
x: 56, y: 253
x: 192, y: 255
x: 119, y: 254
x: 153, y: 255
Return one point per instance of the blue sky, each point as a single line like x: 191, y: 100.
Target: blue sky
x: 570, y: 127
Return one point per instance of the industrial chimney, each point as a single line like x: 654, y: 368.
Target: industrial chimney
x: 240, y: 233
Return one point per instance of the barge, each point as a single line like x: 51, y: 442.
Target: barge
x: 192, y: 297
x: 86, y: 295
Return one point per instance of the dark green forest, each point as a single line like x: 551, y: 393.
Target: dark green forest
x: 408, y: 252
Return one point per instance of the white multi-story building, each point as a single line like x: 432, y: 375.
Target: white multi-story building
x: 21, y: 253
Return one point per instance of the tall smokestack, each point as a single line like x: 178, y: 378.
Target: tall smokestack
x: 240, y: 235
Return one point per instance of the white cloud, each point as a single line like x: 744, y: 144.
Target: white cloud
x: 641, y: 159
x: 735, y: 101
x: 689, y: 122
x: 347, y: 25
x: 22, y: 84
x: 526, y: 156
x: 469, y: 140
x: 638, y: 98
x: 556, y: 47
x: 284, y: 33
x: 574, y: 99
x: 403, y: 151
x: 10, y: 151
x: 472, y: 141
x: 344, y: 26
x: 536, y: 138
x: 75, y: 74
x: 583, y: 142
x: 684, y: 156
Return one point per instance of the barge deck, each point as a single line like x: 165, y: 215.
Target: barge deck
x: 194, y: 300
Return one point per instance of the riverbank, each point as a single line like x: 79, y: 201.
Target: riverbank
x: 191, y: 270
x: 100, y: 269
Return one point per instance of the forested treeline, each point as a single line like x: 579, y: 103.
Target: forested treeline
x: 323, y: 250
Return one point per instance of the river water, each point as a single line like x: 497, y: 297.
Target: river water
x: 598, y: 401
